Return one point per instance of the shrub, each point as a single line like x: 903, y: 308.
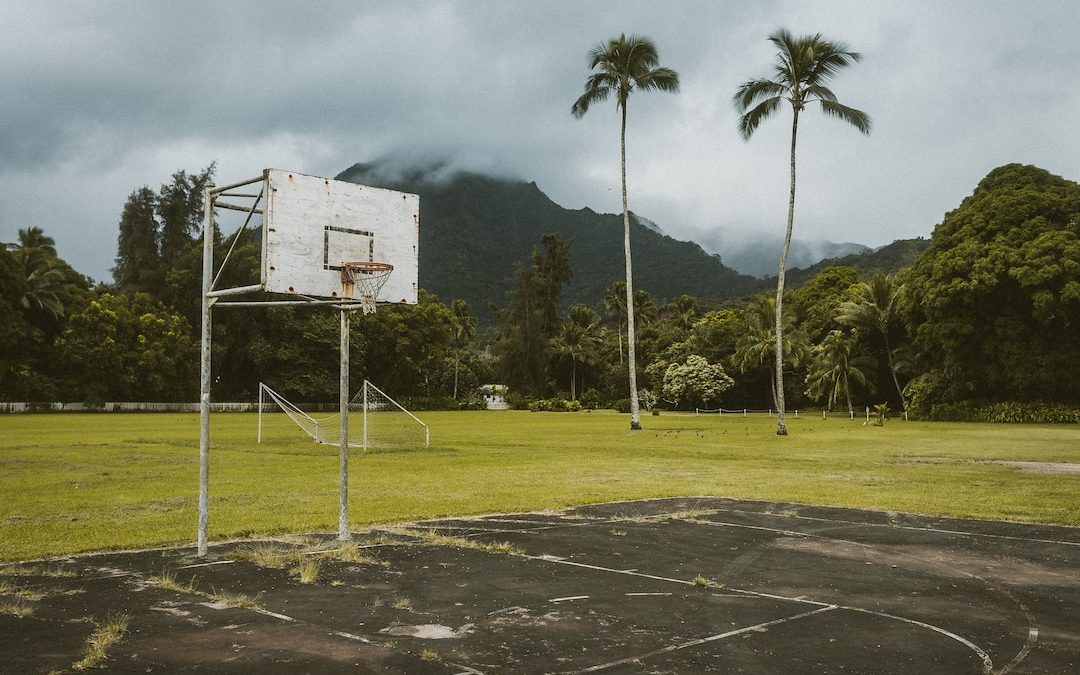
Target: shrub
x: 590, y: 400
x: 622, y: 405
x: 429, y: 403
x: 554, y: 405
x: 1029, y: 413
x: 519, y: 401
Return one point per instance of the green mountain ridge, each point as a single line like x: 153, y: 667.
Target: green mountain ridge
x: 474, y: 228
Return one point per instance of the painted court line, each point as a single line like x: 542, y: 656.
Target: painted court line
x: 569, y: 598
x: 908, y: 527
x: 987, y: 662
x: 701, y: 641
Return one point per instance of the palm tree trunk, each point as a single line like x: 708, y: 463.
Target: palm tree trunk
x: 456, y: 360
x: 635, y: 415
x: 573, y: 379
x: 781, y: 425
x: 892, y: 371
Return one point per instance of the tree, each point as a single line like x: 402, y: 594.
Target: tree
x: 464, y: 332
x: 34, y: 237
x: 578, y: 340
x: 805, y: 65
x: 833, y: 366
x: 138, y: 263
x: 994, y: 302
x: 758, y: 344
x: 696, y: 380
x: 875, y: 311
x: 531, y: 319
x: 619, y: 67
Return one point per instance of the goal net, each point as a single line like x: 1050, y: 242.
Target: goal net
x: 375, y: 420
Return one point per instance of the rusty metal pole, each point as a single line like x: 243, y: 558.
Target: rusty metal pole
x: 343, y: 450
x: 204, y: 387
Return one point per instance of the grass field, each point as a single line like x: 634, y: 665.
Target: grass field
x: 71, y: 483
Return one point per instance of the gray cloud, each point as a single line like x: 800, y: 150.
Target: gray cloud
x: 102, y: 98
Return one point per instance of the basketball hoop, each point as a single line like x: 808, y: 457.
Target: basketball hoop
x: 365, y: 279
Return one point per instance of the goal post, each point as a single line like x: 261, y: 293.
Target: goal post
x: 384, y: 423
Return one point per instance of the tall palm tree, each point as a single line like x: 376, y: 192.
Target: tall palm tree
x: 874, y: 310
x: 833, y: 366
x: 42, y: 278
x: 615, y: 305
x: 804, y: 67
x: 618, y: 67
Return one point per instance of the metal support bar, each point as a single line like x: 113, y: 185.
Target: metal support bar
x: 236, y: 207
x: 343, y: 450
x: 214, y: 191
x: 267, y: 303
x: 244, y: 195
x: 236, y: 237
x: 204, y: 380
x: 239, y: 290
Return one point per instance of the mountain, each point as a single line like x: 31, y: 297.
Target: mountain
x: 888, y: 259
x: 474, y: 228
x: 759, y: 256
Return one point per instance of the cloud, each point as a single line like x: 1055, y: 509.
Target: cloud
x: 109, y: 97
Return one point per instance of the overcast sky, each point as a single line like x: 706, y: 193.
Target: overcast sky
x: 100, y: 98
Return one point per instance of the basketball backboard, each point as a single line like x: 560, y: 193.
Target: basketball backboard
x: 313, y: 225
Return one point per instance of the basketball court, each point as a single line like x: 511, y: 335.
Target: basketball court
x: 687, y: 585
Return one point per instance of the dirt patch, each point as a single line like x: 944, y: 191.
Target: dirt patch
x: 1041, y: 467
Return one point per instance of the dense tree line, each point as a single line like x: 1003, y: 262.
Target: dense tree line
x: 985, y: 315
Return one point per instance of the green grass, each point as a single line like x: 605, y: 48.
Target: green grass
x: 72, y: 482
x: 104, y: 637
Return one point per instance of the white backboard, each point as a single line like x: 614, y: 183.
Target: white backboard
x: 313, y: 225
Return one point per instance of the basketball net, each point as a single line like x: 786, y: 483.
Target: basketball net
x: 364, y: 279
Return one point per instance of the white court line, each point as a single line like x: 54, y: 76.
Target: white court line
x: 701, y: 641
x: 207, y: 564
x: 569, y: 598
x: 910, y: 527
x: 987, y: 662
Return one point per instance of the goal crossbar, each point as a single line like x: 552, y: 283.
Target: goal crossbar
x: 370, y: 399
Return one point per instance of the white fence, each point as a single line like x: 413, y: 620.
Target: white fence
x: 123, y: 406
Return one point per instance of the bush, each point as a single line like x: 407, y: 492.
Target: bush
x: 554, y: 405
x: 519, y: 401
x: 414, y: 403
x: 590, y: 400
x: 1029, y: 413
x: 622, y: 405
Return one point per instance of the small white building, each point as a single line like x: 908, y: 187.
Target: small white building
x: 494, y: 396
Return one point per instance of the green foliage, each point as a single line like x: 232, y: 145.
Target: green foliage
x: 590, y: 399
x: 120, y: 348
x: 1030, y: 413
x: 622, y: 405
x: 554, y: 405
x: 994, y: 301
x: 695, y: 381
x: 531, y: 320
x: 881, y: 413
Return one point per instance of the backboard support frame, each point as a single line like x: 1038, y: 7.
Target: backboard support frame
x: 262, y: 204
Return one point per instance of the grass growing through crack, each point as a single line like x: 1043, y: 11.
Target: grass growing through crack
x: 308, y: 570
x: 403, y: 603
x: 168, y: 581
x: 235, y: 600
x: 430, y: 655
x: 16, y: 608
x: 702, y: 582
x: 35, y: 571
x: 348, y: 551
x: 433, y: 538
x: 97, y: 645
x: 268, y: 554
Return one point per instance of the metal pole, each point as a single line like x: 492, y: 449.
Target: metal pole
x: 365, y: 413
x: 343, y: 452
x: 260, y: 412
x: 204, y: 381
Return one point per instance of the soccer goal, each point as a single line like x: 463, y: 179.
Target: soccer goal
x: 381, y: 421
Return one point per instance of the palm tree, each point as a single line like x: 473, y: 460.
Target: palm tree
x: 833, y: 367
x: 804, y: 67
x: 758, y: 345
x: 578, y: 340
x: 874, y: 310
x: 620, y: 66
x: 615, y: 305
x: 42, y: 278
x: 34, y: 237
x: 464, y: 332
